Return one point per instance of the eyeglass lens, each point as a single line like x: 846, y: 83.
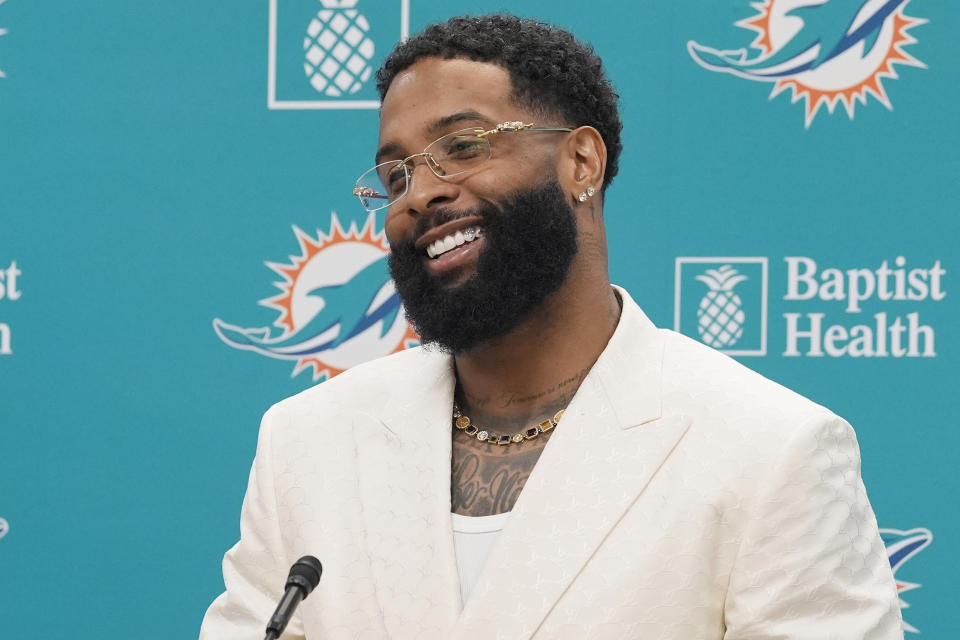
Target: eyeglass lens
x: 450, y: 155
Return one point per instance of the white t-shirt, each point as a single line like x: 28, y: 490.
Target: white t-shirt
x: 473, y: 537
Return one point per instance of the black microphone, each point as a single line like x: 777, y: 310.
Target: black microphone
x: 304, y: 577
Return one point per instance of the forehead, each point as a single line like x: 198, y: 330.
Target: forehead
x: 433, y: 89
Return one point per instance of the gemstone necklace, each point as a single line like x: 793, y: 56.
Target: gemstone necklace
x: 462, y: 423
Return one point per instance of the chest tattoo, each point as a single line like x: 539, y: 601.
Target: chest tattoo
x: 487, y: 479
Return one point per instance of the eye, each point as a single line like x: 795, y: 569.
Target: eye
x: 394, y: 179
x: 465, y: 147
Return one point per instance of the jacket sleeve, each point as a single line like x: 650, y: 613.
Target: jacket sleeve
x: 811, y: 565
x: 255, y: 569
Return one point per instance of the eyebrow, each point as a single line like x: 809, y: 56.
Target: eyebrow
x: 388, y: 149
x: 435, y: 128
x: 461, y: 116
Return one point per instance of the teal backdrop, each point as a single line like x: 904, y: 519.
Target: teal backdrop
x: 169, y: 173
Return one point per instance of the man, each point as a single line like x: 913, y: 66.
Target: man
x: 553, y: 466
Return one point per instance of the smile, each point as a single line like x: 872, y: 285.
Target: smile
x: 452, y: 241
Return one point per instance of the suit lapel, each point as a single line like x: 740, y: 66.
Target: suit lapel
x: 610, y: 442
x: 404, y: 485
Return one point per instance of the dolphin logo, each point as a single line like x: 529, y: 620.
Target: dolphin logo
x: 337, y: 303
x: 824, y: 51
x: 901, y: 546
x: 340, y: 318
x: 829, y: 30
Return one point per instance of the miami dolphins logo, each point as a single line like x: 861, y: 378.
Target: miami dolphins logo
x: 337, y: 305
x: 901, y: 546
x: 825, y: 52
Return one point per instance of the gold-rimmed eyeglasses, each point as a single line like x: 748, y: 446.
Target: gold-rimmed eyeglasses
x: 447, y: 156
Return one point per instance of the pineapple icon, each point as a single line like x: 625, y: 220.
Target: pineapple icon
x: 337, y: 49
x: 720, y: 315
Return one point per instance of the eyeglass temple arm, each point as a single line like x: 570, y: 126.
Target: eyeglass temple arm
x: 518, y: 126
x: 367, y: 192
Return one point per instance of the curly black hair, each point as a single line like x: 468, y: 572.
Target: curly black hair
x: 551, y: 72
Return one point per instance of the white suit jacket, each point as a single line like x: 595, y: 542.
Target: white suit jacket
x: 682, y: 497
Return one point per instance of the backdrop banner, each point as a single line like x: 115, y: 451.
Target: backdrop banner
x: 180, y: 249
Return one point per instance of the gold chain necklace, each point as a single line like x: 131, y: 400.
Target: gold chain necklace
x: 463, y: 423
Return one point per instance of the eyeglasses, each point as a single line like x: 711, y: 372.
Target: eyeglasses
x: 447, y: 156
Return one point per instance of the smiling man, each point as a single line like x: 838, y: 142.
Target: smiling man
x: 550, y: 464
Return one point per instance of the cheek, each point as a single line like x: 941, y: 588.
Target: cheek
x: 524, y: 168
x: 398, y: 227
x: 492, y: 182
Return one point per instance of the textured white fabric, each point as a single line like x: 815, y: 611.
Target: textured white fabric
x: 473, y: 538
x: 683, y: 497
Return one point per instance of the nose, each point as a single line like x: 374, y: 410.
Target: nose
x: 426, y: 190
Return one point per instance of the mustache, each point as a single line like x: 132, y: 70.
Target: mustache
x: 446, y: 214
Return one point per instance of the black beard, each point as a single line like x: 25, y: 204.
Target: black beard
x: 530, y: 242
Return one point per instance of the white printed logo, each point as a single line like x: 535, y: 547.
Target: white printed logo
x: 9, y: 290
x: 720, y: 313
x: 3, y: 32
x: 323, y: 52
x: 338, y: 51
x: 880, y: 293
x: 730, y: 303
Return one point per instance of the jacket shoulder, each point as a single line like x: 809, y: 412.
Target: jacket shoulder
x: 364, y: 386
x: 695, y: 375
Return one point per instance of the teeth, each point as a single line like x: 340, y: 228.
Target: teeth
x: 454, y: 240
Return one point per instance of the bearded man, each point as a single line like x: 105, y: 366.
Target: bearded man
x: 550, y: 464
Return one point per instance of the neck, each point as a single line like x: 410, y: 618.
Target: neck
x: 535, y: 369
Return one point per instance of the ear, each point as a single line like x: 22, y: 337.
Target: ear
x: 582, y: 166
